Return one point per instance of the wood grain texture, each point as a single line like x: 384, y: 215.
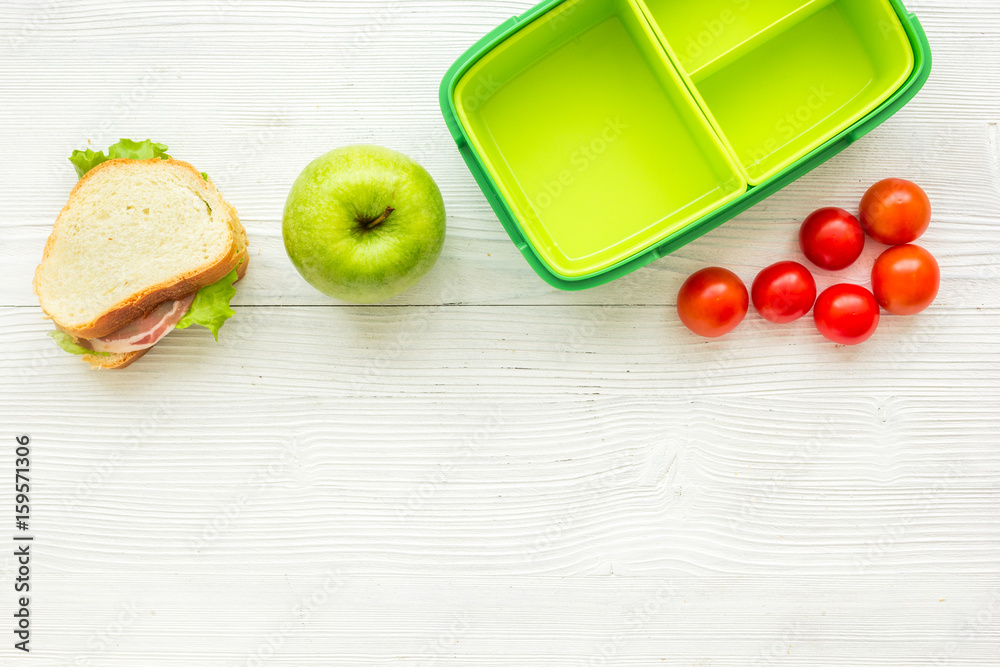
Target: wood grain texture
x: 487, y: 471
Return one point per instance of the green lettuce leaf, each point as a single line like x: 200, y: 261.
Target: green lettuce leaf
x: 66, y: 342
x: 210, y: 307
x: 86, y: 160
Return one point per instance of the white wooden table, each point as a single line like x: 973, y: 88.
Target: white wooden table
x: 486, y: 471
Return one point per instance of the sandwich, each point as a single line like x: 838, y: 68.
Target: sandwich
x: 145, y: 245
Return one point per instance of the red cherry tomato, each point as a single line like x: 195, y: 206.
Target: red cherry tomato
x: 784, y: 292
x: 713, y: 302
x: 832, y: 239
x: 847, y: 314
x: 895, y: 211
x: 906, y: 279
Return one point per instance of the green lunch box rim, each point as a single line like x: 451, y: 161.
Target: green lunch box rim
x: 902, y: 96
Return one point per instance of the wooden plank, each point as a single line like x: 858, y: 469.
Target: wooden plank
x: 332, y: 616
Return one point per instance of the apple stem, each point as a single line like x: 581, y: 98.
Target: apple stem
x: 382, y: 218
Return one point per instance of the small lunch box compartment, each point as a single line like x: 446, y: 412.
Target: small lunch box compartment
x: 608, y: 133
x: 780, y: 78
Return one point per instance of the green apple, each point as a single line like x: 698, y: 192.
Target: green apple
x: 364, y: 223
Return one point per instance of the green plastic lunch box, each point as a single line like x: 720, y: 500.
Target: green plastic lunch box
x: 609, y: 133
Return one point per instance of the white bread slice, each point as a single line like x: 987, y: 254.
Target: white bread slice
x: 135, y: 233
x: 117, y: 361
